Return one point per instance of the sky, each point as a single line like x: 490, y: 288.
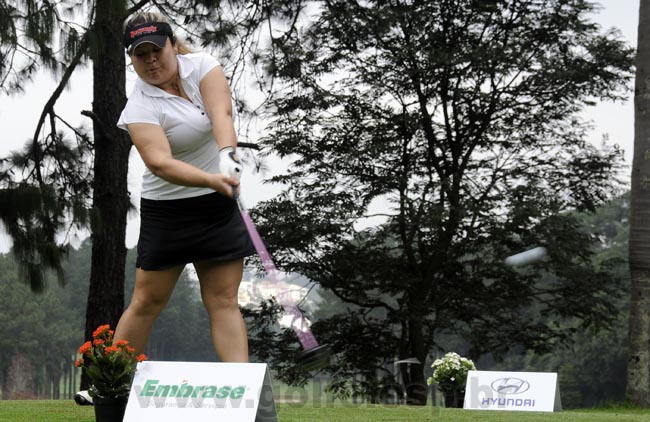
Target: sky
x: 19, y: 115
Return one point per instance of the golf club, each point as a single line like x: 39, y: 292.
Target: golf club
x: 314, y: 356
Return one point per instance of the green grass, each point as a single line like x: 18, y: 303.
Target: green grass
x: 68, y: 411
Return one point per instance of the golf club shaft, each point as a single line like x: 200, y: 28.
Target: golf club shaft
x: 305, y: 336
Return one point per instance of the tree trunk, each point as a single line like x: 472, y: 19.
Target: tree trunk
x: 416, y: 388
x: 110, y: 192
x: 638, y: 370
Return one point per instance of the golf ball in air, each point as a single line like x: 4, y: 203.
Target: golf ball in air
x: 527, y: 257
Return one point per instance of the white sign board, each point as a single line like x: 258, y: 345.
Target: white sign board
x: 521, y: 391
x: 201, y: 392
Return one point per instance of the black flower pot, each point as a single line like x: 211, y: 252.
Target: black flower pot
x: 109, y: 409
x: 454, y: 398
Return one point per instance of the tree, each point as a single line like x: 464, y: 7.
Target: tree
x: 456, y: 121
x: 49, y: 187
x: 638, y: 366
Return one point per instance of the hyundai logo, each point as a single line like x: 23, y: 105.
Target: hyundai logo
x: 510, y: 386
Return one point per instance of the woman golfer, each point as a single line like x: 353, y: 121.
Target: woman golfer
x: 179, y: 117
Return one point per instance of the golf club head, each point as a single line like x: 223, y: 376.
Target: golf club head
x: 315, y: 358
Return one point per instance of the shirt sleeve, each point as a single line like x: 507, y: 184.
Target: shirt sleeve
x: 206, y: 64
x: 140, y: 109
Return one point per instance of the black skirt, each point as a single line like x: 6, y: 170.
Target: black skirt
x: 180, y: 231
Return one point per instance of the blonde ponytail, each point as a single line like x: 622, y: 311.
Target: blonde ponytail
x: 182, y: 47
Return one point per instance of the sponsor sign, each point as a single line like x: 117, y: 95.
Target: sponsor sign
x: 201, y: 391
x: 521, y: 391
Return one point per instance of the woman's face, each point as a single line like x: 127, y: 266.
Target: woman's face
x: 154, y: 65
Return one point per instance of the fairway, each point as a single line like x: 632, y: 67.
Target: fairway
x: 68, y: 411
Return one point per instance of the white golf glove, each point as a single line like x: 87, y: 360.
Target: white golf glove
x: 229, y: 163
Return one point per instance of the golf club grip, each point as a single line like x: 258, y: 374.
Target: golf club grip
x: 305, y: 336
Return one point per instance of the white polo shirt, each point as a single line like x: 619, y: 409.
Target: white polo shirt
x: 186, y: 124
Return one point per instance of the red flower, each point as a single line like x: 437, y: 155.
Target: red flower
x: 101, y: 330
x: 113, y: 362
x: 85, y: 348
x: 110, y: 350
x: 141, y: 357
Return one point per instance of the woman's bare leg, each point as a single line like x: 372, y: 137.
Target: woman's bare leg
x: 219, y: 287
x: 150, y: 295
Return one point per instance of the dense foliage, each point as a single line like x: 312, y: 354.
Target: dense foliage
x: 457, y: 123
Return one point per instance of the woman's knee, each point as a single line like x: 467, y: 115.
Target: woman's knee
x: 147, y: 305
x: 153, y: 290
x: 220, y: 284
x: 221, y: 300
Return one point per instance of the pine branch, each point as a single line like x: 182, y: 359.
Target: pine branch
x: 49, y: 106
x: 139, y: 5
x: 97, y: 122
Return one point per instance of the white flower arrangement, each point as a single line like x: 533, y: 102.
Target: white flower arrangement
x: 450, y: 372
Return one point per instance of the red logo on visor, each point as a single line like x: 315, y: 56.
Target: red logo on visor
x: 146, y: 29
